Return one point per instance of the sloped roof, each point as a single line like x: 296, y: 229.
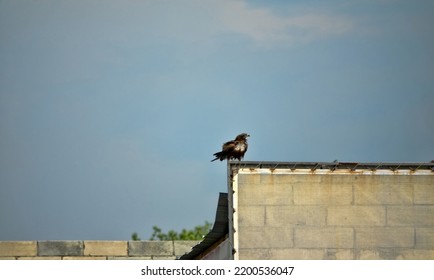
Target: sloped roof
x: 219, y: 229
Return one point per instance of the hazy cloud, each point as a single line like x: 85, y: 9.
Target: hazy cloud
x: 267, y: 28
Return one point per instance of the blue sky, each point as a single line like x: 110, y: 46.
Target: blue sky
x: 110, y: 111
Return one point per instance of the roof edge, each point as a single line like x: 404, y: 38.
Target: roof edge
x: 333, y: 165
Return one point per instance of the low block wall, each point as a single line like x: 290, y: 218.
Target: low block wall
x: 94, y: 250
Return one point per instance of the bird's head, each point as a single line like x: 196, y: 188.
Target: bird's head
x: 242, y: 136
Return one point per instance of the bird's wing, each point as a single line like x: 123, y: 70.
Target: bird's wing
x: 229, y: 146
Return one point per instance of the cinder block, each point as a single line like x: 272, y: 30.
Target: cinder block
x: 368, y: 255
x: 281, y: 254
x: 150, y: 248
x: 264, y: 194
x: 382, y: 193
x: 295, y: 215
x: 343, y: 254
x: 164, y: 258
x: 424, y: 194
x: 82, y: 258
x: 254, y: 254
x: 251, y: 215
x: 248, y: 179
x: 18, y: 248
x: 425, y: 238
x: 265, y: 237
x: 128, y: 258
x: 339, y: 254
x: 182, y: 247
x: 324, y: 237
x: 105, y: 248
x: 410, y: 215
x: 416, y: 254
x: 384, y: 237
x: 40, y: 258
x: 323, y: 194
x: 305, y: 179
x: 396, y: 254
x: 60, y: 248
x: 297, y: 254
x: 356, y: 215
x: 379, y: 254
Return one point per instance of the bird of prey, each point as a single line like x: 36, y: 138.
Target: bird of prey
x: 234, y: 149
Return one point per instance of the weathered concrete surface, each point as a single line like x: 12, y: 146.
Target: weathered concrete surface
x: 343, y: 215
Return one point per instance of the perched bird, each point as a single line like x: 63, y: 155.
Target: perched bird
x: 234, y: 149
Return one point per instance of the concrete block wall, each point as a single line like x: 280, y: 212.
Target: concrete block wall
x: 94, y: 250
x: 341, y: 215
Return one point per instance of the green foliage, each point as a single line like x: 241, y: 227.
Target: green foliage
x: 197, y: 233
x: 135, y: 236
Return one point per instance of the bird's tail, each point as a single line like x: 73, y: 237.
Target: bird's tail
x: 219, y: 156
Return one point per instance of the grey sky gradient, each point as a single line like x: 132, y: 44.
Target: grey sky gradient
x: 110, y: 111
